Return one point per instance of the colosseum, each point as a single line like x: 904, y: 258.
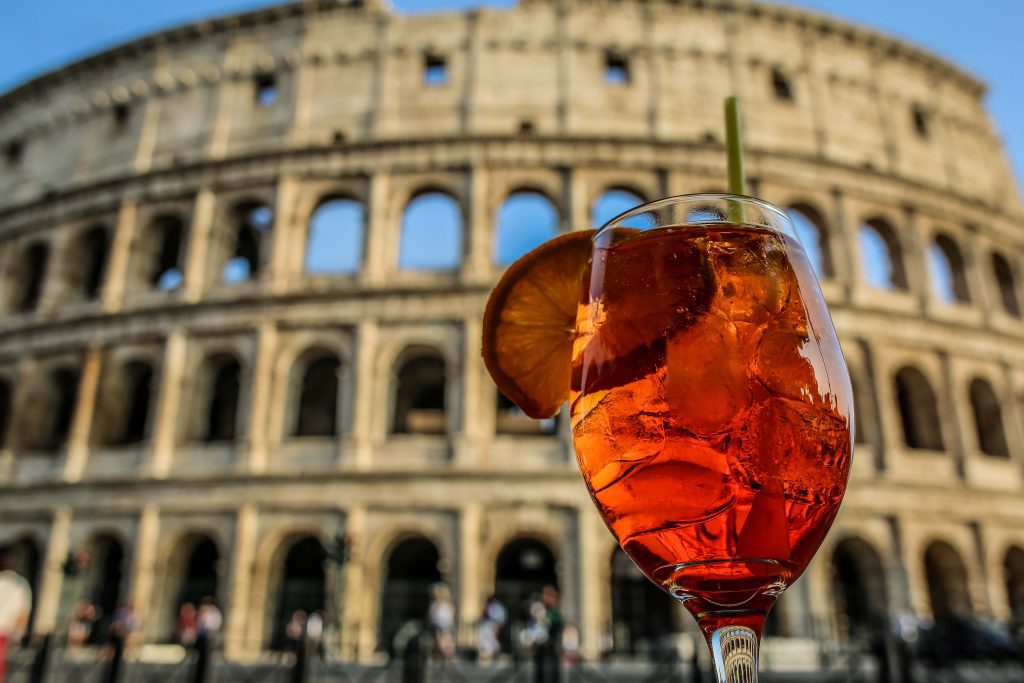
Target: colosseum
x: 245, y: 263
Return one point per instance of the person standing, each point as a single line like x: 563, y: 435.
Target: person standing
x: 208, y: 623
x: 441, y: 617
x: 492, y: 621
x: 15, y: 607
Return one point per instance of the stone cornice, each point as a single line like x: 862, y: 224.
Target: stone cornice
x: 870, y: 39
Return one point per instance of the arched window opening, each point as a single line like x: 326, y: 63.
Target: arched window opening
x: 947, y: 268
x: 5, y: 411
x: 318, y: 397
x: 813, y: 234
x: 193, y: 577
x: 947, y: 583
x: 412, y: 570
x: 611, y: 203
x: 420, y: 389
x: 919, y: 412
x: 334, y: 245
x: 87, y: 263
x: 138, y: 393
x: 511, y: 420
x: 225, y: 376
x: 524, y: 567
x: 781, y: 86
x: 1007, y: 284
x: 883, y: 260
x: 921, y: 121
x: 526, y: 220
x: 642, y: 619
x: 303, y: 588
x: 861, y: 605
x: 164, y: 271
x: 47, y: 427
x: 251, y: 223
x: 988, y: 419
x: 1013, y: 565
x: 104, y: 573
x: 32, y: 275
x: 431, y: 236
x: 25, y: 560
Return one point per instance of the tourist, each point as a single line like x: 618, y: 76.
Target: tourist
x: 441, y: 618
x: 186, y: 628
x: 15, y: 606
x: 489, y: 629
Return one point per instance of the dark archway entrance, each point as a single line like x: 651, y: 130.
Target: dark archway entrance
x: 947, y: 582
x: 1013, y: 564
x: 412, y: 568
x: 523, y: 568
x: 859, y: 590
x: 642, y: 614
x: 303, y: 586
x: 105, y: 574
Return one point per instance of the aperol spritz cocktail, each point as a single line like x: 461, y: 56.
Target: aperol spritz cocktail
x: 711, y: 406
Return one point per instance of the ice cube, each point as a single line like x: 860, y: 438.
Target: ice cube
x: 754, y: 278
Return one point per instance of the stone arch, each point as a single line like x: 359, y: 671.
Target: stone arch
x: 988, y: 418
x: 53, y: 396
x: 27, y: 277
x: 420, y: 384
x: 336, y: 236
x: 220, y: 394
x: 642, y: 615
x: 103, y: 581
x: 1006, y: 283
x: 245, y: 241
x: 192, y: 571
x: 946, y: 576
x: 298, y: 583
x: 918, y: 410
x: 86, y: 262
x: 861, y: 597
x: 526, y: 219
x: 1013, y: 567
x: 411, y: 566
x: 882, y: 255
x: 159, y: 254
x: 431, y: 236
x: 523, y: 566
x: 123, y: 417
x: 316, y: 378
x: 612, y: 202
x: 814, y: 235
x: 949, y: 276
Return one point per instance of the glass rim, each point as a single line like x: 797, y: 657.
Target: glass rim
x: 649, y: 207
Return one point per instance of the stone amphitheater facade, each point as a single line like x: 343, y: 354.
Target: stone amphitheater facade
x: 129, y: 179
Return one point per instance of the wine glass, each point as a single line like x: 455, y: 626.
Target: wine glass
x: 711, y: 408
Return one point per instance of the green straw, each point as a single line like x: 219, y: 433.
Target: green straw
x: 734, y: 149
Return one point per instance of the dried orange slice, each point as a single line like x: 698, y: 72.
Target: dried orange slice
x: 530, y: 324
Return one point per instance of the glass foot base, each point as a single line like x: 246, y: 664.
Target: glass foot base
x: 734, y: 650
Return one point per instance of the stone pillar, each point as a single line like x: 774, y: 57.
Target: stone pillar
x: 51, y: 581
x: 287, y: 246
x: 594, y: 586
x: 359, y: 637
x: 150, y: 120
x: 305, y: 81
x: 119, y: 260
x: 144, y: 561
x: 470, y: 596
x: 227, y: 95
x: 363, y: 427
x: 913, y: 253
x: 375, y: 267
x: 196, y: 265
x: 471, y: 437
x: 240, y: 584
x: 479, y: 231
x: 262, y: 381
x: 168, y: 404
x: 953, y: 435
x: 577, y: 203
x: 844, y: 244
x: 85, y: 407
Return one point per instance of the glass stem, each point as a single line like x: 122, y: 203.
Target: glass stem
x: 734, y: 654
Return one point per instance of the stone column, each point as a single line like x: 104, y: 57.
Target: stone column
x: 479, y: 233
x: 305, y: 81
x: 594, y: 587
x: 470, y: 596
x: 954, y: 434
x: 196, y: 265
x: 913, y: 253
x: 119, y: 260
x: 168, y: 404
x: 474, y: 383
x: 577, y: 204
x: 375, y: 267
x: 287, y: 253
x: 144, y: 561
x: 150, y: 120
x: 359, y: 637
x: 363, y: 427
x: 227, y: 95
x: 844, y: 244
x: 85, y: 407
x: 51, y: 582
x: 262, y: 385
x: 240, y: 583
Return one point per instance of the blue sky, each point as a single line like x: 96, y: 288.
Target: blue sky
x: 981, y: 36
